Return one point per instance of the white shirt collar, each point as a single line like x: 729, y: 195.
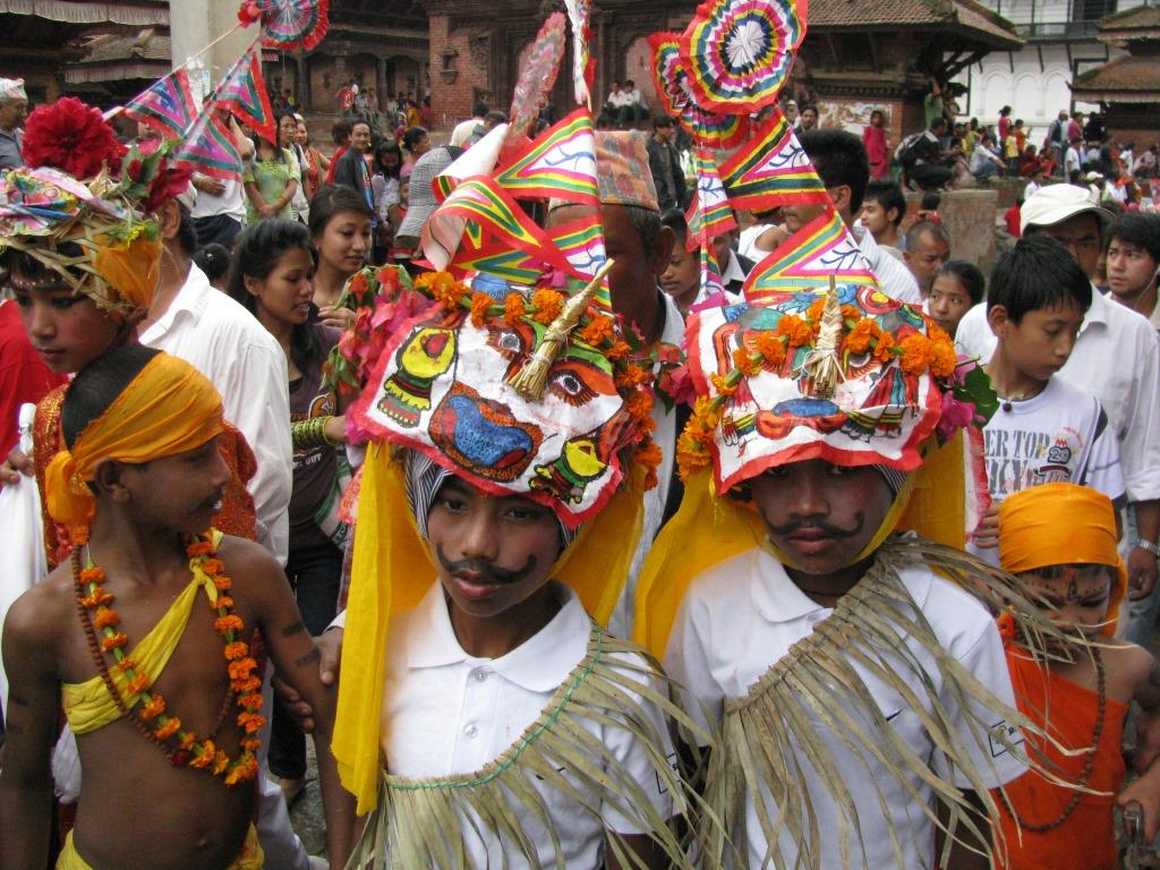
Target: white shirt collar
x: 1098, y: 311
x: 539, y: 664
x: 190, y: 299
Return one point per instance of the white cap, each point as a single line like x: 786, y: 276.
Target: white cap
x: 1056, y: 203
x: 12, y: 89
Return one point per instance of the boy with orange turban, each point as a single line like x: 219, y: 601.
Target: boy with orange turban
x: 1059, y: 539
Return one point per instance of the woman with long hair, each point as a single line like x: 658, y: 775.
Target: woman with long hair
x: 273, y: 176
x: 340, y: 227
x: 388, y: 164
x: 317, y: 164
x: 271, y: 275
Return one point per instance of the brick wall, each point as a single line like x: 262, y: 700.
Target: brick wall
x: 452, y: 96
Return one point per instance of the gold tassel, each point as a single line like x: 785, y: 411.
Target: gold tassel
x: 822, y: 364
x: 532, y: 377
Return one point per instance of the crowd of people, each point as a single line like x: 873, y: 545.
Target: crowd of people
x: 605, y: 612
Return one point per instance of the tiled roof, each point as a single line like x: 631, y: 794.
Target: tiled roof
x: 1126, y: 79
x: 1139, y: 17
x: 966, y: 16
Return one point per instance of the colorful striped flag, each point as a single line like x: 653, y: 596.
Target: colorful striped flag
x: 243, y: 90
x: 772, y: 170
x: 167, y: 105
x: 209, y: 146
x: 559, y: 164
x: 808, y: 258
x: 710, y: 213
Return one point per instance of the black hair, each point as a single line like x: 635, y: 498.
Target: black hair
x: 675, y: 220
x: 1141, y: 230
x: 413, y: 137
x: 341, y: 131
x: 186, y: 232
x: 840, y: 158
x: 214, y: 260
x: 807, y: 107
x: 662, y: 120
x: 332, y: 200
x: 931, y: 200
x: 647, y: 224
x: 887, y: 194
x: 969, y: 275
x: 1037, y: 273
x: 256, y: 253
x: 383, y: 147
x: 34, y: 270
x: 495, y: 118
x: 922, y: 228
x: 480, y: 109
x: 98, y: 385
x: 940, y: 121
x: 605, y: 121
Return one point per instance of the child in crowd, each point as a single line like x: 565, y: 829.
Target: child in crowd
x: 1059, y: 540
x: 957, y: 286
x: 138, y: 482
x: 214, y: 260
x: 682, y: 278
x: 883, y: 208
x: 1045, y: 430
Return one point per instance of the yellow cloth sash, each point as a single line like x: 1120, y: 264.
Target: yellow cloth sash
x: 168, y: 408
x: 393, y: 570
x: 89, y: 706
x: 250, y: 858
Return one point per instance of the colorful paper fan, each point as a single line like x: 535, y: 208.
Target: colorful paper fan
x: 739, y: 52
x: 290, y: 24
x: 671, y: 79
x: 537, y: 76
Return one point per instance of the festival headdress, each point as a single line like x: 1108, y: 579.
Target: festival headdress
x: 81, y: 207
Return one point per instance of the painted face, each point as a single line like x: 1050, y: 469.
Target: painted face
x: 284, y: 295
x: 447, y: 387
x: 821, y: 515
x: 1040, y: 344
x: 949, y: 302
x: 925, y: 258
x: 67, y: 331
x: 181, y: 492
x: 344, y: 242
x: 1074, y: 595
x: 492, y: 552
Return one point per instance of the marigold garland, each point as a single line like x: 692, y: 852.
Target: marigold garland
x: 149, y: 709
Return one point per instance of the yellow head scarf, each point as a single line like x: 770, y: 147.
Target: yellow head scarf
x: 169, y: 408
x: 1062, y: 524
x: 393, y: 570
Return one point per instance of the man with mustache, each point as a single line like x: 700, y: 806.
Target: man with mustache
x: 854, y: 690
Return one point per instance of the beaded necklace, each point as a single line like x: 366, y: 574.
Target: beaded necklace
x: 149, y: 711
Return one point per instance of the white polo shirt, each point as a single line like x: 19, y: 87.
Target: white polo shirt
x: 446, y: 713
x: 740, y: 618
x: 1116, y: 359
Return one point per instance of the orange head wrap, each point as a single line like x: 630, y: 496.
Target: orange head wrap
x: 1062, y: 524
x: 169, y: 408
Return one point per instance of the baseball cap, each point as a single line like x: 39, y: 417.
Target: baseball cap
x: 1056, y: 203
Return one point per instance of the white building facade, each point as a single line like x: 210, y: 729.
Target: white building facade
x: 1060, y: 43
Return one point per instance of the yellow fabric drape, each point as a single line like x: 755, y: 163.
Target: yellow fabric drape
x: 89, y: 706
x: 168, y: 408
x: 392, y: 571
x: 251, y: 857
x: 1062, y: 523
x: 709, y: 530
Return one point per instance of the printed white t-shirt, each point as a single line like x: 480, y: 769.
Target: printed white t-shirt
x: 743, y: 616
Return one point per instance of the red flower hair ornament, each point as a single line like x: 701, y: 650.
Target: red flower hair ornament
x: 72, y: 137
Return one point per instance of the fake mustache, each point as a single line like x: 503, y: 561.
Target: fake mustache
x: 487, y: 572
x: 828, y: 528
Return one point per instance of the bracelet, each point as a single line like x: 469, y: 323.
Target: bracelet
x: 1149, y: 546
x: 306, y: 434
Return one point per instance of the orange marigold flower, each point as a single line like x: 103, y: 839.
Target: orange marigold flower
x: 770, y: 346
x: 105, y: 618
x: 745, y: 362
x: 187, y: 739
x: 230, y: 622
x: 220, y: 762
x: 797, y: 331
x: 93, y: 575
x: 152, y: 708
x: 885, y: 347
x: 203, y: 755
x: 225, y: 602
x: 916, y: 354
x: 246, y: 684
x: 639, y: 405
x: 244, y: 770
x: 199, y: 548
x: 212, y: 566
x: 237, y: 650
x: 620, y: 350
x: 222, y: 583
x: 936, y: 333
x: 139, y: 684
x: 706, y: 414
x: 480, y: 302
x: 852, y: 312
x: 943, y: 358
x: 723, y: 385
x: 125, y: 665
x: 114, y: 641
x: 596, y: 331
x: 443, y: 287
x: 251, y: 744
x: 251, y: 723
x: 858, y: 338
x: 816, y: 309
x: 513, y: 308
x: 251, y: 702
x: 691, y: 455
x: 548, y: 304
x: 242, y: 668
x: 649, y: 456
x: 632, y: 376
x: 171, y: 726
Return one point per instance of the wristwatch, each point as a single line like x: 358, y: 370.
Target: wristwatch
x: 1152, y: 548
